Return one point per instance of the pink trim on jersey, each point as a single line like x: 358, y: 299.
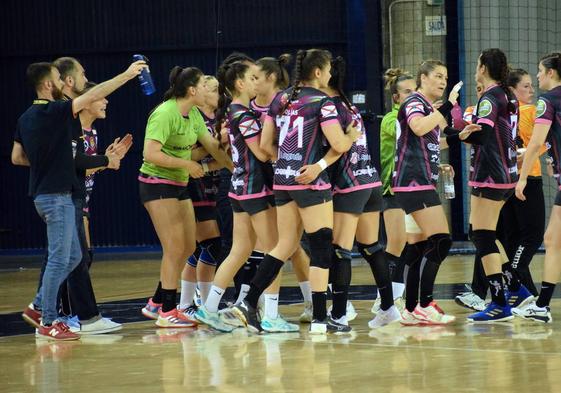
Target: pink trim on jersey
x: 249, y: 196
x: 314, y: 187
x: 486, y: 121
x: 356, y: 188
x: 413, y: 115
x: 156, y: 180
x: 329, y: 122
x: 491, y: 185
x: 204, y: 203
x: 252, y: 139
x: 544, y: 121
x: 502, y: 152
x: 413, y: 188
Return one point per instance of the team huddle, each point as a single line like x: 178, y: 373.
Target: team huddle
x: 242, y: 169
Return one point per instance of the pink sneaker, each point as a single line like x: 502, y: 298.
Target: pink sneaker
x: 173, y: 319
x: 58, y: 331
x: 32, y: 316
x: 151, y: 309
x: 433, y: 314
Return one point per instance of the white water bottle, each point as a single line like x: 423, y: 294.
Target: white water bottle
x: 448, y: 182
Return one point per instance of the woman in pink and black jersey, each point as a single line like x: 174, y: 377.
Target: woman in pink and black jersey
x: 302, y: 116
x: 547, y: 129
x: 493, y: 173
x: 414, y: 185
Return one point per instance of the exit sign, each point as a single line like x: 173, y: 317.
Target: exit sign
x: 435, y: 25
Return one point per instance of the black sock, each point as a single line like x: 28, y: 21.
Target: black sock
x: 497, y: 288
x: 413, y: 256
x: 340, y: 273
x: 169, y: 299
x: 319, y: 302
x: 511, y: 279
x: 428, y: 277
x: 381, y: 271
x: 396, y: 267
x: 157, y: 298
x: 545, y: 294
x: 268, y: 270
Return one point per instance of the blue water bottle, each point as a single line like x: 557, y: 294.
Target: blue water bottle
x: 145, y: 79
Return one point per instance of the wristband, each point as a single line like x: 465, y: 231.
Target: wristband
x: 452, y: 139
x: 446, y: 108
x: 205, y: 167
x: 322, y: 164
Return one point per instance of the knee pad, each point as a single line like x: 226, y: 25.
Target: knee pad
x: 366, y: 250
x: 192, y: 261
x: 210, y: 250
x: 438, y: 247
x: 207, y: 258
x: 340, y: 271
x: 414, y: 253
x: 484, y: 241
x: 321, y: 248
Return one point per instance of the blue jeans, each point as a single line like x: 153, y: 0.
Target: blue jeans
x: 58, y: 212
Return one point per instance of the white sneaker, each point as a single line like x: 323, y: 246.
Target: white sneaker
x: 318, y: 327
x: 101, y: 326
x: 384, y: 318
x: 470, y: 300
x: 350, y: 312
x: 398, y: 302
x: 376, y: 306
x: 307, y: 314
x: 433, y: 314
x: 533, y: 312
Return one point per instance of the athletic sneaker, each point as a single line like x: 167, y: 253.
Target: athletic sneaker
x: 228, y: 317
x: 411, y: 318
x: 470, y: 300
x: 101, y: 326
x: 57, y: 331
x: 307, y: 314
x: 520, y: 298
x: 329, y: 325
x: 433, y: 315
x: 350, y: 311
x: 493, y: 313
x: 72, y: 322
x: 189, y: 313
x: 248, y: 315
x: 398, y: 302
x: 32, y: 316
x: 151, y: 310
x: 212, y: 319
x: 278, y: 325
x: 533, y: 312
x: 384, y: 318
x: 173, y: 319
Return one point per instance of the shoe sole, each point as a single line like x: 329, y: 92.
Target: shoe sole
x: 150, y: 315
x: 203, y: 321
x: 462, y: 304
x: 504, y: 319
x: 536, y: 319
x: 30, y: 321
x: 103, y: 331
x: 241, y: 316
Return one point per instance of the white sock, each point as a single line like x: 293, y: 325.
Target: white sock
x: 306, y: 290
x: 378, y: 295
x: 187, y: 293
x: 244, y: 289
x: 330, y: 286
x: 213, y: 299
x: 398, y: 288
x: 272, y: 305
x: 204, y: 288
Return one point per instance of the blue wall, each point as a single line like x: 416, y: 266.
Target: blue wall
x: 103, y: 35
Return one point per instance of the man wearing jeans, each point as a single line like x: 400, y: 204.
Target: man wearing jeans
x: 45, y: 132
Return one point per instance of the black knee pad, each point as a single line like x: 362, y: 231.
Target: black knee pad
x: 340, y: 271
x: 321, y: 248
x: 485, y: 242
x: 366, y: 250
x: 437, y: 247
x: 213, y: 247
x: 414, y: 253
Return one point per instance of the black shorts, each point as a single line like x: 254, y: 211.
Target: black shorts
x: 558, y: 198
x: 152, y: 191
x: 303, y: 198
x: 205, y: 213
x: 358, y: 202
x: 252, y: 206
x: 413, y: 201
x: 390, y: 202
x: 494, y: 194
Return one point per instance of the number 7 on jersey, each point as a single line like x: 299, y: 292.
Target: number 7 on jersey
x: 284, y: 123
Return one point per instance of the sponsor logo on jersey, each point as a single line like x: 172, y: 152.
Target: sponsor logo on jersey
x: 290, y: 156
x: 328, y: 110
x: 541, y: 107
x: 484, y: 108
x: 286, y: 172
x: 249, y: 127
x: 414, y: 107
x: 238, y: 183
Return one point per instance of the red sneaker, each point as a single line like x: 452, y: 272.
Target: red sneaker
x: 32, y: 316
x: 57, y: 331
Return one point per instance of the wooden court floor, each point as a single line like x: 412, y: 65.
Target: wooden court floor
x: 510, y: 357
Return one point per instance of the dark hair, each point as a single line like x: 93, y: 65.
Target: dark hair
x: 515, y: 76
x: 552, y: 61
x: 180, y: 79
x: 306, y: 62
x: 88, y: 86
x: 497, y: 67
x: 277, y: 66
x: 237, y: 57
x: 337, y: 80
x: 65, y: 65
x: 426, y: 67
x: 227, y: 76
x: 36, y: 73
x: 393, y: 76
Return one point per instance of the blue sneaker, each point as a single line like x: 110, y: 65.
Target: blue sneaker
x: 493, y: 313
x: 212, y: 319
x: 520, y: 298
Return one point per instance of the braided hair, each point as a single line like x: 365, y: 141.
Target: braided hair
x: 227, y: 76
